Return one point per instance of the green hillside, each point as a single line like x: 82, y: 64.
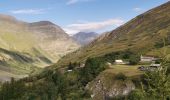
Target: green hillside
x: 142, y: 35
x: 25, y: 48
x: 15, y: 43
x: 98, y: 77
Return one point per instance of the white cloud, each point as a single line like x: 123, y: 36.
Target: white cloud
x: 92, y: 26
x: 70, y: 2
x: 28, y: 11
x: 137, y: 9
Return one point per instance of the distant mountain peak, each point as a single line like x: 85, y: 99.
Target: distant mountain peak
x: 7, y: 17
x: 42, y: 23
x: 85, y: 38
x: 86, y: 33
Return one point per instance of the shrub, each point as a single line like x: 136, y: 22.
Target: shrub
x: 70, y: 66
x: 121, y: 76
x: 93, y: 67
x: 136, y: 95
x: 134, y: 59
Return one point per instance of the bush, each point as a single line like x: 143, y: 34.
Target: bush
x: 93, y: 67
x: 121, y: 76
x: 70, y: 66
x: 134, y: 59
x: 136, y: 95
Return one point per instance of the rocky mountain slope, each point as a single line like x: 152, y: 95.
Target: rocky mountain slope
x: 85, y: 38
x: 52, y: 39
x: 143, y: 34
x: 26, y: 46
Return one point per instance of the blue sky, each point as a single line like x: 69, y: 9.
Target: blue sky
x: 78, y: 15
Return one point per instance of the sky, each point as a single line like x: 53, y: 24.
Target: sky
x: 78, y: 15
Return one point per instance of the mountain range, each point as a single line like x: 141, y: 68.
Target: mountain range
x: 26, y: 47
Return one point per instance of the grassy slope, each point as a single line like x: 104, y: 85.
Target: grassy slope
x: 26, y: 50
x: 159, y: 52
x: 139, y: 35
x: 125, y: 69
x: 19, y: 53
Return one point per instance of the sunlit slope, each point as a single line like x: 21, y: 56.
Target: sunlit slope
x: 26, y: 47
x: 52, y: 39
x: 17, y: 47
x: 141, y: 34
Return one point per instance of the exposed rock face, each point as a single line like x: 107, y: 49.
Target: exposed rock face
x: 121, y: 88
x: 104, y: 87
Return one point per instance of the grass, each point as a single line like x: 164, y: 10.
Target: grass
x: 22, y: 48
x: 19, y: 63
x: 160, y: 52
x: 128, y: 70
x: 16, y: 50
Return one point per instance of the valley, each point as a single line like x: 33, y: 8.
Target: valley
x: 43, y: 61
x: 25, y: 48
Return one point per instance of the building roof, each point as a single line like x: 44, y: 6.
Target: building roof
x: 119, y: 60
x: 149, y: 56
x: 156, y: 65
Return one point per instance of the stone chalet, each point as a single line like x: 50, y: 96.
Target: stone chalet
x: 148, y: 58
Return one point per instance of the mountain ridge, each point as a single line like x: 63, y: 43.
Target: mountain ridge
x: 26, y: 47
x: 140, y: 35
